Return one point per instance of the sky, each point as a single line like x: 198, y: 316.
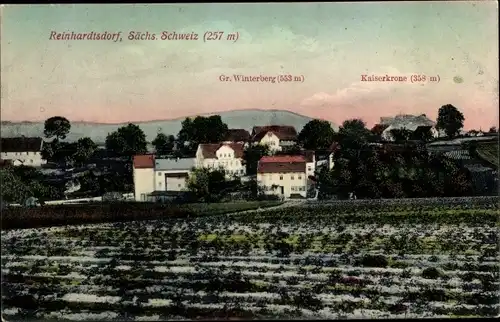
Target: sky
x: 329, y: 46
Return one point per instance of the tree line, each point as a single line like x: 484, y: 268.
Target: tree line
x: 405, y: 170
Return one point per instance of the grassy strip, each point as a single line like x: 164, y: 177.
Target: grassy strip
x: 60, y: 215
x: 223, y: 208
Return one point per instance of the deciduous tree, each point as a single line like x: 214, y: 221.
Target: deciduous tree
x: 316, y: 135
x: 163, y: 144
x: 57, y: 127
x: 252, y: 155
x: 450, y: 120
x: 202, y: 129
x: 127, y: 141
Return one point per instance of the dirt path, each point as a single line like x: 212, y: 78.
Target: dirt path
x: 286, y: 204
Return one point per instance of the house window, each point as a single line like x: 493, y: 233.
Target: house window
x: 159, y: 184
x: 281, y: 177
x: 293, y: 188
x: 159, y: 174
x: 292, y: 177
x: 302, y: 188
x: 143, y: 196
x: 309, y: 168
x: 179, y: 185
x: 299, y: 177
x: 31, y: 160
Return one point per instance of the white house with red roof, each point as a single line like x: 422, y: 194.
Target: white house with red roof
x: 144, y: 174
x: 283, y: 175
x: 274, y: 136
x: 227, y: 156
x: 157, y: 178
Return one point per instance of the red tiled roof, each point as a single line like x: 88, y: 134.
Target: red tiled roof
x: 281, y: 167
x: 283, y: 132
x: 237, y: 135
x: 146, y: 161
x: 282, y: 164
x: 21, y: 144
x: 283, y: 158
x: 209, y: 149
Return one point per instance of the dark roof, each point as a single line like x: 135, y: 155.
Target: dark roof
x: 208, y: 149
x: 146, y: 161
x: 282, y: 158
x: 281, y: 164
x: 177, y: 175
x: 283, y: 132
x: 281, y: 167
x: 21, y: 144
x: 237, y: 135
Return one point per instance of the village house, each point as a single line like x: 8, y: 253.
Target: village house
x: 144, y: 175
x: 328, y: 161
x: 158, y: 178
x: 226, y: 156
x: 172, y: 174
x: 283, y: 175
x: 237, y: 136
x: 310, y: 157
x: 411, y: 123
x: 23, y: 151
x: 275, y: 136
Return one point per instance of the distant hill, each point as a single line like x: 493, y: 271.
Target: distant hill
x: 244, y: 119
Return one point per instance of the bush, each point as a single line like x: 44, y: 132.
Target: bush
x: 431, y: 273
x: 374, y: 261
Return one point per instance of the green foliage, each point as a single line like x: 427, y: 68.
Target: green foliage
x: 450, y: 120
x: 404, y: 171
x: 163, y: 144
x: 316, y: 135
x: 127, y: 141
x: 422, y: 133
x: 207, y: 184
x: 353, y: 134
x: 69, y: 153
x: 252, y: 155
x: 13, y: 189
x: 84, y: 149
x: 57, y: 127
x: 19, y: 183
x: 202, y: 129
x: 290, y: 150
x: 400, y: 135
